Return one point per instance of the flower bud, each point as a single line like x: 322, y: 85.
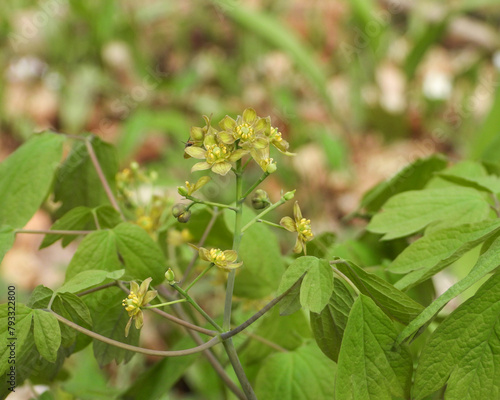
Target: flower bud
x: 182, y: 191
x: 170, y: 276
x: 184, y: 217
x: 271, y: 168
x: 178, y: 209
x: 260, y: 199
x: 289, y: 195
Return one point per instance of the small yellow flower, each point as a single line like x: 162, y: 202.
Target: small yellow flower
x: 137, y: 298
x: 249, y: 129
x: 218, y: 156
x: 221, y: 259
x: 300, y: 225
x: 277, y: 141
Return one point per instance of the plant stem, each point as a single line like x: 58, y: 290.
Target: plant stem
x: 196, y: 306
x: 209, y: 203
x: 199, y: 276
x: 271, y: 223
x: 142, y: 350
x: 236, y: 244
x: 264, y: 176
x: 238, y: 369
x: 258, y: 314
x: 102, y: 178
x: 212, y: 359
x: 52, y: 232
x: 96, y: 289
x: 200, y: 244
x: 267, y: 210
x: 168, y: 303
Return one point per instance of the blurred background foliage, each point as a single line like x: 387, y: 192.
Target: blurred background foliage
x: 359, y: 88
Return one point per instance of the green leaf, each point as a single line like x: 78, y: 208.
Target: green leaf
x: 303, y: 374
x: 7, y: 237
x: 109, y: 319
x: 411, y: 211
x: 142, y: 256
x: 40, y: 297
x: 489, y: 183
x: 369, y: 366
x: 262, y: 262
x: 291, y: 302
x: 485, y: 264
x: 436, y: 250
x: 78, y: 218
x: 317, y: 286
x: 463, y: 353
x: 392, y: 301
x: 97, y: 251
x: 26, y: 176
x: 74, y: 309
x: 86, y: 279
x: 107, y: 216
x: 288, y: 332
x: 15, y: 332
x: 77, y: 181
x: 160, y: 379
x: 412, y: 177
x: 329, y: 325
x: 47, y: 334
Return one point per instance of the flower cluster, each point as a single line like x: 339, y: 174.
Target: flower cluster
x: 137, y: 298
x: 248, y: 134
x: 300, y: 225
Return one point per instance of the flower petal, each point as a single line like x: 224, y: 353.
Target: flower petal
x: 260, y: 143
x: 227, y: 123
x: 231, y: 255
x: 226, y: 137
x: 288, y: 224
x: 249, y: 116
x: 195, y: 152
x: 298, y: 246
x: 232, y: 266
x: 263, y: 126
x: 134, y: 287
x: 296, y: 212
x: 149, y: 296
x: 200, y: 183
x: 144, y: 287
x: 236, y: 155
x: 139, y: 320
x: 127, y: 328
x: 221, y: 168
x: 200, y: 166
x: 196, y: 134
x: 204, y: 254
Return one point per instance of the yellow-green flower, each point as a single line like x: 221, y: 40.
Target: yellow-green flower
x: 300, y: 225
x: 249, y: 129
x: 222, y: 259
x: 218, y: 156
x: 277, y: 141
x: 197, y: 135
x: 137, y: 298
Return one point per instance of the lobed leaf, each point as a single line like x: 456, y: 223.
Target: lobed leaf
x: 86, y: 279
x: 26, y: 177
x: 436, y: 250
x: 392, y: 301
x: 369, y: 366
x: 47, y: 334
x: 329, y: 325
x: 463, y: 353
x: 303, y: 374
x: 411, y: 211
x: 486, y: 263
